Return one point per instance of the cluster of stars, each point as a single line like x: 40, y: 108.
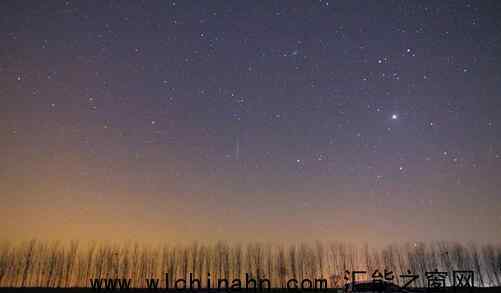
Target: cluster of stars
x: 237, y: 101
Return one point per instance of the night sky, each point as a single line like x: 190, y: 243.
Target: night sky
x: 251, y: 120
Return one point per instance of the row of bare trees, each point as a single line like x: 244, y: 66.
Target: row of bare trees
x: 42, y: 264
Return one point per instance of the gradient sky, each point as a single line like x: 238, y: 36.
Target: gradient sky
x: 251, y: 120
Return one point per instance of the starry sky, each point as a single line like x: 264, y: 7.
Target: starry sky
x: 251, y: 120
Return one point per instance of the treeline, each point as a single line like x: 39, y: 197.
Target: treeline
x: 41, y: 264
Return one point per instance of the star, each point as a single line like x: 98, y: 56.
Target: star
x: 201, y: 107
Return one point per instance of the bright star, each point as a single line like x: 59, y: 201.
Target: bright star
x: 394, y: 117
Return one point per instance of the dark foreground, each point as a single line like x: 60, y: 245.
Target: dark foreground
x: 415, y: 290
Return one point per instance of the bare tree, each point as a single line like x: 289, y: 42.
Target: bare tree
x: 281, y: 266
x: 4, y: 260
x: 28, y: 259
x: 492, y: 269
x: 292, y: 262
x: 320, y: 258
x: 238, y: 259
